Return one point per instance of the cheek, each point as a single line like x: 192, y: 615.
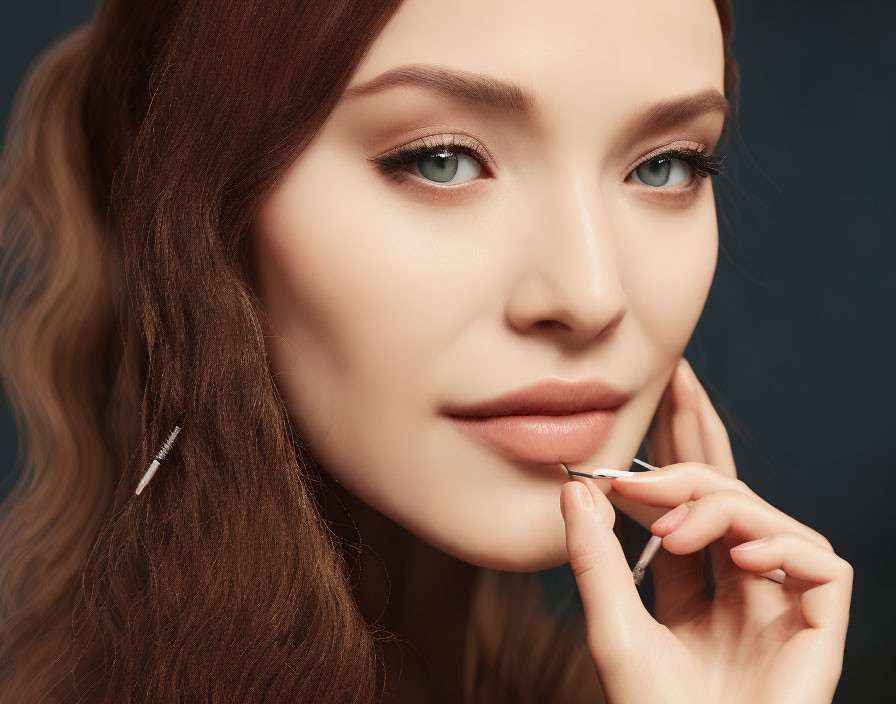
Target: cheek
x: 669, y: 267
x: 361, y: 300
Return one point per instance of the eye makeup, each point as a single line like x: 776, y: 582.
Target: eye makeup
x: 394, y: 164
x: 702, y: 164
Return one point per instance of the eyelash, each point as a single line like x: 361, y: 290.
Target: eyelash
x: 395, y: 163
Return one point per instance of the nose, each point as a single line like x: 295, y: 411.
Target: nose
x: 569, y: 286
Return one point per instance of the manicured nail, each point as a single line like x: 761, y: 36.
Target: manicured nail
x: 671, y: 520
x: 761, y: 543
x: 583, y: 496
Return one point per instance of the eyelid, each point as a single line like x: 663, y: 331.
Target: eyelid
x: 455, y: 138
x: 677, y: 144
x: 477, y: 146
x: 462, y: 142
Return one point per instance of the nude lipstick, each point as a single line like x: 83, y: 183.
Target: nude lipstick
x: 550, y: 421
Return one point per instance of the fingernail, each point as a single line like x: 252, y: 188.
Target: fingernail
x: 761, y: 543
x: 583, y: 497
x: 671, y: 520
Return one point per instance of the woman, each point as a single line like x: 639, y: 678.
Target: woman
x: 347, y: 243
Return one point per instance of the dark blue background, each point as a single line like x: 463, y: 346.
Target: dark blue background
x: 797, y: 336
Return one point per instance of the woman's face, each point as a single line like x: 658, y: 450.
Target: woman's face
x: 457, y: 277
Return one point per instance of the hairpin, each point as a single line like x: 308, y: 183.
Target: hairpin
x: 160, y: 456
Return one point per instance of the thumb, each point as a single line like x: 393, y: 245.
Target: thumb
x: 616, y: 622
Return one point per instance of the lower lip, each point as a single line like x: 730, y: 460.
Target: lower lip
x: 566, y: 438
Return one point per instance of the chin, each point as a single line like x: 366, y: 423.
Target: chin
x: 522, y: 559
x: 518, y: 547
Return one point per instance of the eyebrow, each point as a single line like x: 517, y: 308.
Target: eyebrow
x: 515, y: 99
x: 470, y: 87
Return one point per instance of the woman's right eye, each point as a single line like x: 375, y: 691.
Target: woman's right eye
x: 444, y: 165
x: 447, y: 163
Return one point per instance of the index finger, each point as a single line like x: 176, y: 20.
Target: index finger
x: 676, y: 484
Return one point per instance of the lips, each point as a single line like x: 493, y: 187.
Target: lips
x: 550, y: 421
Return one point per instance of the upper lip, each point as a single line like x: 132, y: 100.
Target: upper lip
x: 548, y: 397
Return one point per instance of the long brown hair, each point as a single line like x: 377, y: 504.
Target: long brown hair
x: 138, y: 149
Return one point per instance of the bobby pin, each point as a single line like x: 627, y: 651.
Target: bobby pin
x: 160, y: 456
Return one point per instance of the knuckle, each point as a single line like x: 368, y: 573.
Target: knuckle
x: 741, y: 486
x: 721, y: 502
x: 694, y: 470
x: 816, y: 537
x: 584, y: 562
x: 846, y: 570
x: 810, y: 534
x: 702, y: 468
x: 728, y: 498
x: 788, y: 538
x: 821, y: 540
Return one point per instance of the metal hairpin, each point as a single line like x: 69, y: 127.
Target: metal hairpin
x: 655, y: 542
x: 160, y: 456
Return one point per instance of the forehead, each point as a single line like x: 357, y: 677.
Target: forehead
x: 597, y: 59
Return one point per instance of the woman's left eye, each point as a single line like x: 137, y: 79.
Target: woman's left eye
x: 662, y: 171
x: 675, y: 167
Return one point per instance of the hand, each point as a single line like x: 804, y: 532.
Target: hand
x: 755, y: 640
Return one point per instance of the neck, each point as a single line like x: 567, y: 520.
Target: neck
x: 405, y: 585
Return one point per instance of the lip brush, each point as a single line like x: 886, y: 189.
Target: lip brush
x: 609, y: 472
x: 653, y: 545
x: 651, y: 549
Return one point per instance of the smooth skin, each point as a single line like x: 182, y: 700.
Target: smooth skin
x: 755, y: 640
x: 392, y: 297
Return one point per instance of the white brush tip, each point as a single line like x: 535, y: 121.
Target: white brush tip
x: 611, y: 473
